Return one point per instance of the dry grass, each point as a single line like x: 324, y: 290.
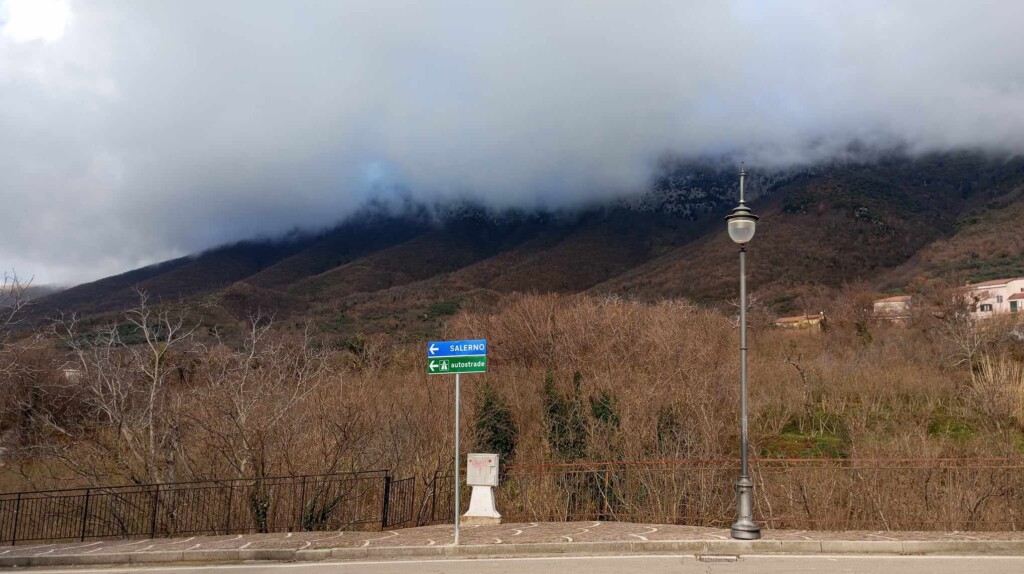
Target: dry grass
x: 582, y: 379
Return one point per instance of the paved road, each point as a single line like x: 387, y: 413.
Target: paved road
x: 614, y: 565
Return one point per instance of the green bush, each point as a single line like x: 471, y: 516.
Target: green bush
x: 496, y: 430
x: 442, y: 309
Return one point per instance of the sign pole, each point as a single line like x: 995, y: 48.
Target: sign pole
x: 455, y: 358
x: 458, y: 482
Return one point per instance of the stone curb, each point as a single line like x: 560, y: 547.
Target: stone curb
x: 695, y: 547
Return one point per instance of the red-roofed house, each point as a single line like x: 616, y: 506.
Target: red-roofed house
x: 801, y: 321
x: 896, y: 309
x: 998, y: 296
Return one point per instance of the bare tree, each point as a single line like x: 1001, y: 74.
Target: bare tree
x: 111, y: 404
x: 795, y: 359
x: 246, y: 402
x: 965, y: 335
x: 20, y: 366
x: 13, y: 301
x: 758, y: 314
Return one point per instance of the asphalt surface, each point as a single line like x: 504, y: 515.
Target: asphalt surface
x: 612, y: 564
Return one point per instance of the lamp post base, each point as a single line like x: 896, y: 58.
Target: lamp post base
x: 745, y: 528
x: 748, y: 531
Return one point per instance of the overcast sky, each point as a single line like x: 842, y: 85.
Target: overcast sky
x: 135, y: 131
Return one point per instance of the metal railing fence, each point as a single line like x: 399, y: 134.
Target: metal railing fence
x: 806, y: 494
x: 438, y: 506
x: 344, y: 501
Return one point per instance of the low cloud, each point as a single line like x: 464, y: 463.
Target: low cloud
x: 139, y: 131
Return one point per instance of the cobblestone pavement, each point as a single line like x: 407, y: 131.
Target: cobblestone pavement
x: 504, y: 534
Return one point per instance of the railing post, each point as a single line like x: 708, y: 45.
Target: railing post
x: 433, y: 498
x: 387, y: 500
x: 231, y: 495
x: 17, y: 515
x: 606, y: 475
x: 85, y: 513
x: 412, y: 502
x: 152, y: 512
x: 302, y: 506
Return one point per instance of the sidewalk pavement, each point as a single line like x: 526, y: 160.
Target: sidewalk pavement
x: 546, y: 538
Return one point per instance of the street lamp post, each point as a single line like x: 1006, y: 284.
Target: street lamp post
x: 741, y: 223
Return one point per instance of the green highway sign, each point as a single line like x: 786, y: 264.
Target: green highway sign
x: 455, y: 358
x: 455, y: 365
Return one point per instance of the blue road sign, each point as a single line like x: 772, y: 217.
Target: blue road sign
x: 476, y: 347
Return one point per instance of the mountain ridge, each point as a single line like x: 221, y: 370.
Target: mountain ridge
x: 826, y: 225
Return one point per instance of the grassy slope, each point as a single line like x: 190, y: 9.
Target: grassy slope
x: 852, y: 224
x: 102, y: 294
x: 988, y: 244
x: 569, y: 258
x: 337, y: 247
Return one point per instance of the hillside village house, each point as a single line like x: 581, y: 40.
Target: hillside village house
x: 997, y: 296
x: 801, y: 321
x: 896, y: 309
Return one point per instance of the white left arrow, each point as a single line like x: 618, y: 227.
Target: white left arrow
x: 433, y: 366
x: 433, y: 349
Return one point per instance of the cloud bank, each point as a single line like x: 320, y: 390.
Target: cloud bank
x: 136, y: 131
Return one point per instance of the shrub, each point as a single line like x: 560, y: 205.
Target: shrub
x: 496, y: 430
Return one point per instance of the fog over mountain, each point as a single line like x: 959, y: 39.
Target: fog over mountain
x: 132, y: 132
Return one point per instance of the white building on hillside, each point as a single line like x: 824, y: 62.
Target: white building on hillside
x: 896, y: 309
x: 998, y: 296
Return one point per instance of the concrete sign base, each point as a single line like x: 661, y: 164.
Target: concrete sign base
x: 481, y: 508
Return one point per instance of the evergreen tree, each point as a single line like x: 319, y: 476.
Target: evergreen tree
x: 602, y: 408
x: 496, y: 430
x: 565, y: 419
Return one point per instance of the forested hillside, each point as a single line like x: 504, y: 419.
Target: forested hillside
x: 883, y: 223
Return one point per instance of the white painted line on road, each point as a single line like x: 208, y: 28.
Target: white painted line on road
x: 36, y: 547
x: 112, y: 546
x: 95, y: 550
x: 171, y: 541
x: 331, y: 537
x: 340, y: 563
x: 244, y: 546
x: 392, y: 534
x: 76, y: 547
x: 194, y: 546
x: 520, y: 531
x: 642, y: 537
x: 833, y: 557
x: 252, y: 565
